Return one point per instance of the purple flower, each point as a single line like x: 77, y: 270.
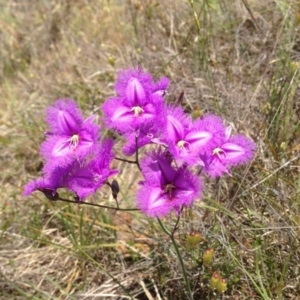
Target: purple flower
x: 70, y: 136
x: 40, y: 184
x: 74, y: 158
x: 81, y: 178
x: 48, y: 183
x: 165, y: 187
x: 233, y: 151
x: 139, y: 101
x: 84, y: 180
x: 187, y: 139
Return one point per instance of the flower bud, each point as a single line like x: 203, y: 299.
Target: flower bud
x: 112, y: 60
x: 221, y: 285
x: 193, y: 239
x: 50, y: 194
x: 208, y: 257
x: 115, y: 188
x: 216, y: 277
x: 293, y: 66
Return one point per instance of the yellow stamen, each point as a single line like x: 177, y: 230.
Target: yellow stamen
x: 217, y: 151
x: 181, y: 144
x: 169, y: 188
x: 74, y: 140
x: 137, y: 110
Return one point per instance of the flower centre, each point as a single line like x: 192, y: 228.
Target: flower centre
x: 74, y: 140
x: 137, y: 110
x: 218, y: 151
x: 169, y: 189
x: 181, y: 144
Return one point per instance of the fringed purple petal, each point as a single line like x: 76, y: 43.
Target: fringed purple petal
x: 160, y: 87
x: 135, y: 93
x: 114, y: 108
x: 210, y: 131
x: 33, y: 186
x: 85, y: 180
x: 144, y: 80
x: 177, y: 124
x: 51, y: 149
x: 64, y: 117
x: 239, y: 149
x: 152, y: 203
x: 214, y: 167
x: 156, y: 168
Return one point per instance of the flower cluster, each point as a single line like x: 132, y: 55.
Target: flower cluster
x: 141, y: 115
x: 76, y: 160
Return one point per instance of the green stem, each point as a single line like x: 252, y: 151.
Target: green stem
x: 195, y: 16
x: 171, y: 235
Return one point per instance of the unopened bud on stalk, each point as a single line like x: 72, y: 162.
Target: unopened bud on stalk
x: 111, y: 60
x: 115, y: 188
x: 222, y: 285
x: 208, y: 257
x: 216, y: 277
x: 50, y: 194
x: 193, y: 239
